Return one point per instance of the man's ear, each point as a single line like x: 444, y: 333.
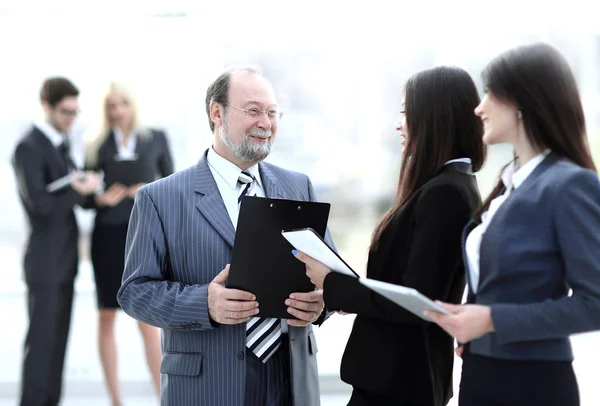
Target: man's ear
x: 47, y: 107
x: 216, y: 113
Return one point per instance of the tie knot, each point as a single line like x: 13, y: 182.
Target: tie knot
x: 245, y: 178
x: 63, y: 148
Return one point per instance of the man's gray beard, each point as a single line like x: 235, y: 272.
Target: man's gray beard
x: 247, y: 150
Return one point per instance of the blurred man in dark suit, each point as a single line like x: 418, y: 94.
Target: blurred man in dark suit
x: 50, y: 263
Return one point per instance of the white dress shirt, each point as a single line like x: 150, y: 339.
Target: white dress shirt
x: 55, y: 136
x: 125, y: 151
x: 512, y: 178
x: 226, y: 175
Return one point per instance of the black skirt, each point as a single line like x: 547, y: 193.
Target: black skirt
x: 108, y: 260
x: 499, y: 382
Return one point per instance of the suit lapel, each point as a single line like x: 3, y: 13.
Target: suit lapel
x: 57, y: 167
x: 210, y: 203
x: 143, y: 142
x: 269, y: 180
x: 111, y: 151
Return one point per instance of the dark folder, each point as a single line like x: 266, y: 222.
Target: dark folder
x: 262, y: 261
x: 127, y: 172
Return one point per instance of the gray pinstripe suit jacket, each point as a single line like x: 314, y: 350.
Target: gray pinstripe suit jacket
x: 180, y: 237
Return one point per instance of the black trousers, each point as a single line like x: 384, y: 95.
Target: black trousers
x: 268, y: 384
x: 362, y: 397
x: 49, y: 308
x: 489, y: 381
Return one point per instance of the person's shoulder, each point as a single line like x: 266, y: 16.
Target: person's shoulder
x: 29, y: 139
x: 283, y: 173
x: 155, y: 133
x: 31, y: 135
x: 564, y: 174
x: 167, y: 186
x: 446, y: 182
x: 446, y: 190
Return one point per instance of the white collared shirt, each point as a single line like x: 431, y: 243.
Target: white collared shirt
x: 226, y: 175
x: 512, y: 178
x: 125, y: 151
x: 55, y: 136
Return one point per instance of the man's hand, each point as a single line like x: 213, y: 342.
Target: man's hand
x: 305, y: 306
x: 86, y: 185
x: 229, y: 306
x: 112, y: 196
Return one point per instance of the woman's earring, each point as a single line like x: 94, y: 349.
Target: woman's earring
x: 519, y: 114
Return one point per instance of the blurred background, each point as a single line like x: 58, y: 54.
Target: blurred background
x: 338, y: 69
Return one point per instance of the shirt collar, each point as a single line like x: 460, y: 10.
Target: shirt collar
x: 55, y: 137
x: 229, y: 171
x: 514, y: 177
x: 119, y: 136
x: 465, y: 160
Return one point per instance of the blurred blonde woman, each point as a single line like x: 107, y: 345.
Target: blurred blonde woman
x: 121, y: 137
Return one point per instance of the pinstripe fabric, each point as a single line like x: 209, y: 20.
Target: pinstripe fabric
x: 180, y: 237
x: 271, y: 382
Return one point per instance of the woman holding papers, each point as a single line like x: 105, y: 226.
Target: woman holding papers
x: 147, y: 151
x: 394, y: 357
x: 536, y: 237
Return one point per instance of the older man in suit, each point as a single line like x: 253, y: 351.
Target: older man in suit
x: 179, y: 244
x: 50, y: 264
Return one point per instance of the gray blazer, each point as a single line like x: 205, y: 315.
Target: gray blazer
x: 542, y: 241
x: 180, y: 237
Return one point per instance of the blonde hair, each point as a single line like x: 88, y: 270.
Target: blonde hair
x: 93, y: 145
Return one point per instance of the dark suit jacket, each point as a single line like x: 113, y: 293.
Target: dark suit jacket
x: 153, y: 151
x: 51, y: 248
x: 543, y: 240
x: 391, y: 351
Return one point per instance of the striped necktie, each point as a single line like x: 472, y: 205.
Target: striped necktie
x: 263, y: 335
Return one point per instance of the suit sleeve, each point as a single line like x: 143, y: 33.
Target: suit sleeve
x: 577, y: 228
x: 29, y: 170
x: 165, y: 160
x: 434, y: 258
x: 146, y: 294
x: 313, y: 198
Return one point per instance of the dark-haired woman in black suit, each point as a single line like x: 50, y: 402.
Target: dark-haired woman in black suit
x: 394, y: 357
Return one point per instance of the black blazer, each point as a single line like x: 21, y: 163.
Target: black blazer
x: 153, y: 149
x: 51, y: 247
x: 391, y: 351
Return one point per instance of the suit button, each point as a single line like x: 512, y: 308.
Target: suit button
x: 241, y: 355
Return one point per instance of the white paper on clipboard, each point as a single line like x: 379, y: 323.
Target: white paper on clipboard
x: 310, y: 243
x: 408, y: 298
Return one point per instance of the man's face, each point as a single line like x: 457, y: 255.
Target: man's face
x: 248, y: 139
x: 62, y: 115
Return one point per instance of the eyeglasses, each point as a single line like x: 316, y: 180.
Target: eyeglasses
x: 69, y: 112
x: 253, y: 112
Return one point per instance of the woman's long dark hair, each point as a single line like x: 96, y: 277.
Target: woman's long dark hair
x: 538, y: 81
x: 439, y: 106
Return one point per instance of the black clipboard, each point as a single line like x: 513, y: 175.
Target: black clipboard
x: 262, y: 261
x: 127, y: 172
